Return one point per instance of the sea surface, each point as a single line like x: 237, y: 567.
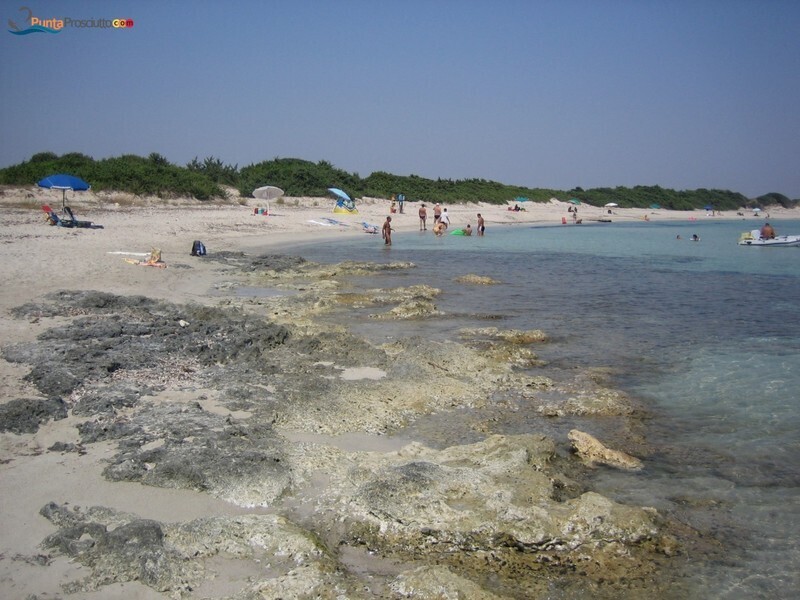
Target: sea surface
x: 706, y: 334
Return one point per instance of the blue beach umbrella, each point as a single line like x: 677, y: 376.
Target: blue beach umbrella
x: 64, y: 182
x: 340, y: 194
x: 343, y: 202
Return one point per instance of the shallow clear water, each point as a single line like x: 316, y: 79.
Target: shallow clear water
x: 706, y: 333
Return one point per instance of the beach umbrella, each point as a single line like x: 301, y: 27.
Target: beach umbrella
x: 343, y: 202
x: 756, y: 210
x: 267, y: 192
x: 611, y: 205
x: 521, y: 199
x: 654, y: 205
x: 64, y: 182
x: 708, y: 207
x: 339, y: 194
x: 575, y: 201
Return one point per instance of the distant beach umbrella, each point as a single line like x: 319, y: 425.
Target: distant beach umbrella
x: 611, y: 205
x: 654, y: 205
x: 268, y: 192
x: 575, y: 201
x: 708, y: 207
x: 64, y: 182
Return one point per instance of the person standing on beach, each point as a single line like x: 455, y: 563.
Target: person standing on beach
x: 423, y: 217
x: 481, y: 227
x: 387, y: 231
x: 437, y: 213
x: 444, y: 218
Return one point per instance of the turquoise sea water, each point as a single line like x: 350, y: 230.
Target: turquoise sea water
x: 706, y: 334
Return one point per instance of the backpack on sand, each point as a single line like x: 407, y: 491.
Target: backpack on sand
x: 198, y: 248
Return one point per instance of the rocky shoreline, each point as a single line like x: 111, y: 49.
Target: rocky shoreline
x: 242, y: 400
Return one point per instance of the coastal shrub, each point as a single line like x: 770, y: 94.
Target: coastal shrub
x: 775, y: 198
x: 155, y: 175
x: 215, y: 170
x: 298, y: 177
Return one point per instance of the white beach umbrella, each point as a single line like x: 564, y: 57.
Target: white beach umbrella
x: 268, y: 192
x: 611, y: 205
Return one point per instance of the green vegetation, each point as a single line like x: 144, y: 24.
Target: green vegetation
x: 773, y: 198
x: 203, y: 180
x: 298, y: 177
x: 643, y: 196
x: 153, y: 175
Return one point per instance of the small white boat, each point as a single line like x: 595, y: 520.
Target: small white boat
x: 753, y: 238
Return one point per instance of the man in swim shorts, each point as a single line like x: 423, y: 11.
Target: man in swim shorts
x: 387, y: 231
x: 481, y: 227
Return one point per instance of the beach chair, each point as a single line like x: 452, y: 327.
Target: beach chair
x: 76, y: 222
x: 54, y: 219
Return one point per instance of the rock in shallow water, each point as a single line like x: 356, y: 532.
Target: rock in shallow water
x: 495, y: 496
x: 593, y: 452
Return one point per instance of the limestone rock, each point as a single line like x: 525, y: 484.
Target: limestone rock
x: 473, y: 279
x: 592, y: 452
x: 438, y: 583
x: 495, y: 496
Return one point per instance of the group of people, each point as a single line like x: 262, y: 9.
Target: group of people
x: 441, y: 222
x: 401, y: 199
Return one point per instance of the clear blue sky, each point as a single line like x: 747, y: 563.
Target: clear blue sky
x: 684, y: 94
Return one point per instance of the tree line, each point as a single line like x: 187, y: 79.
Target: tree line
x: 154, y: 175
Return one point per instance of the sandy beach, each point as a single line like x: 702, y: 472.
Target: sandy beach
x: 39, y: 259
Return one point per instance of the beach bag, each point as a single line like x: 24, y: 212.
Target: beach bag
x: 198, y: 248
